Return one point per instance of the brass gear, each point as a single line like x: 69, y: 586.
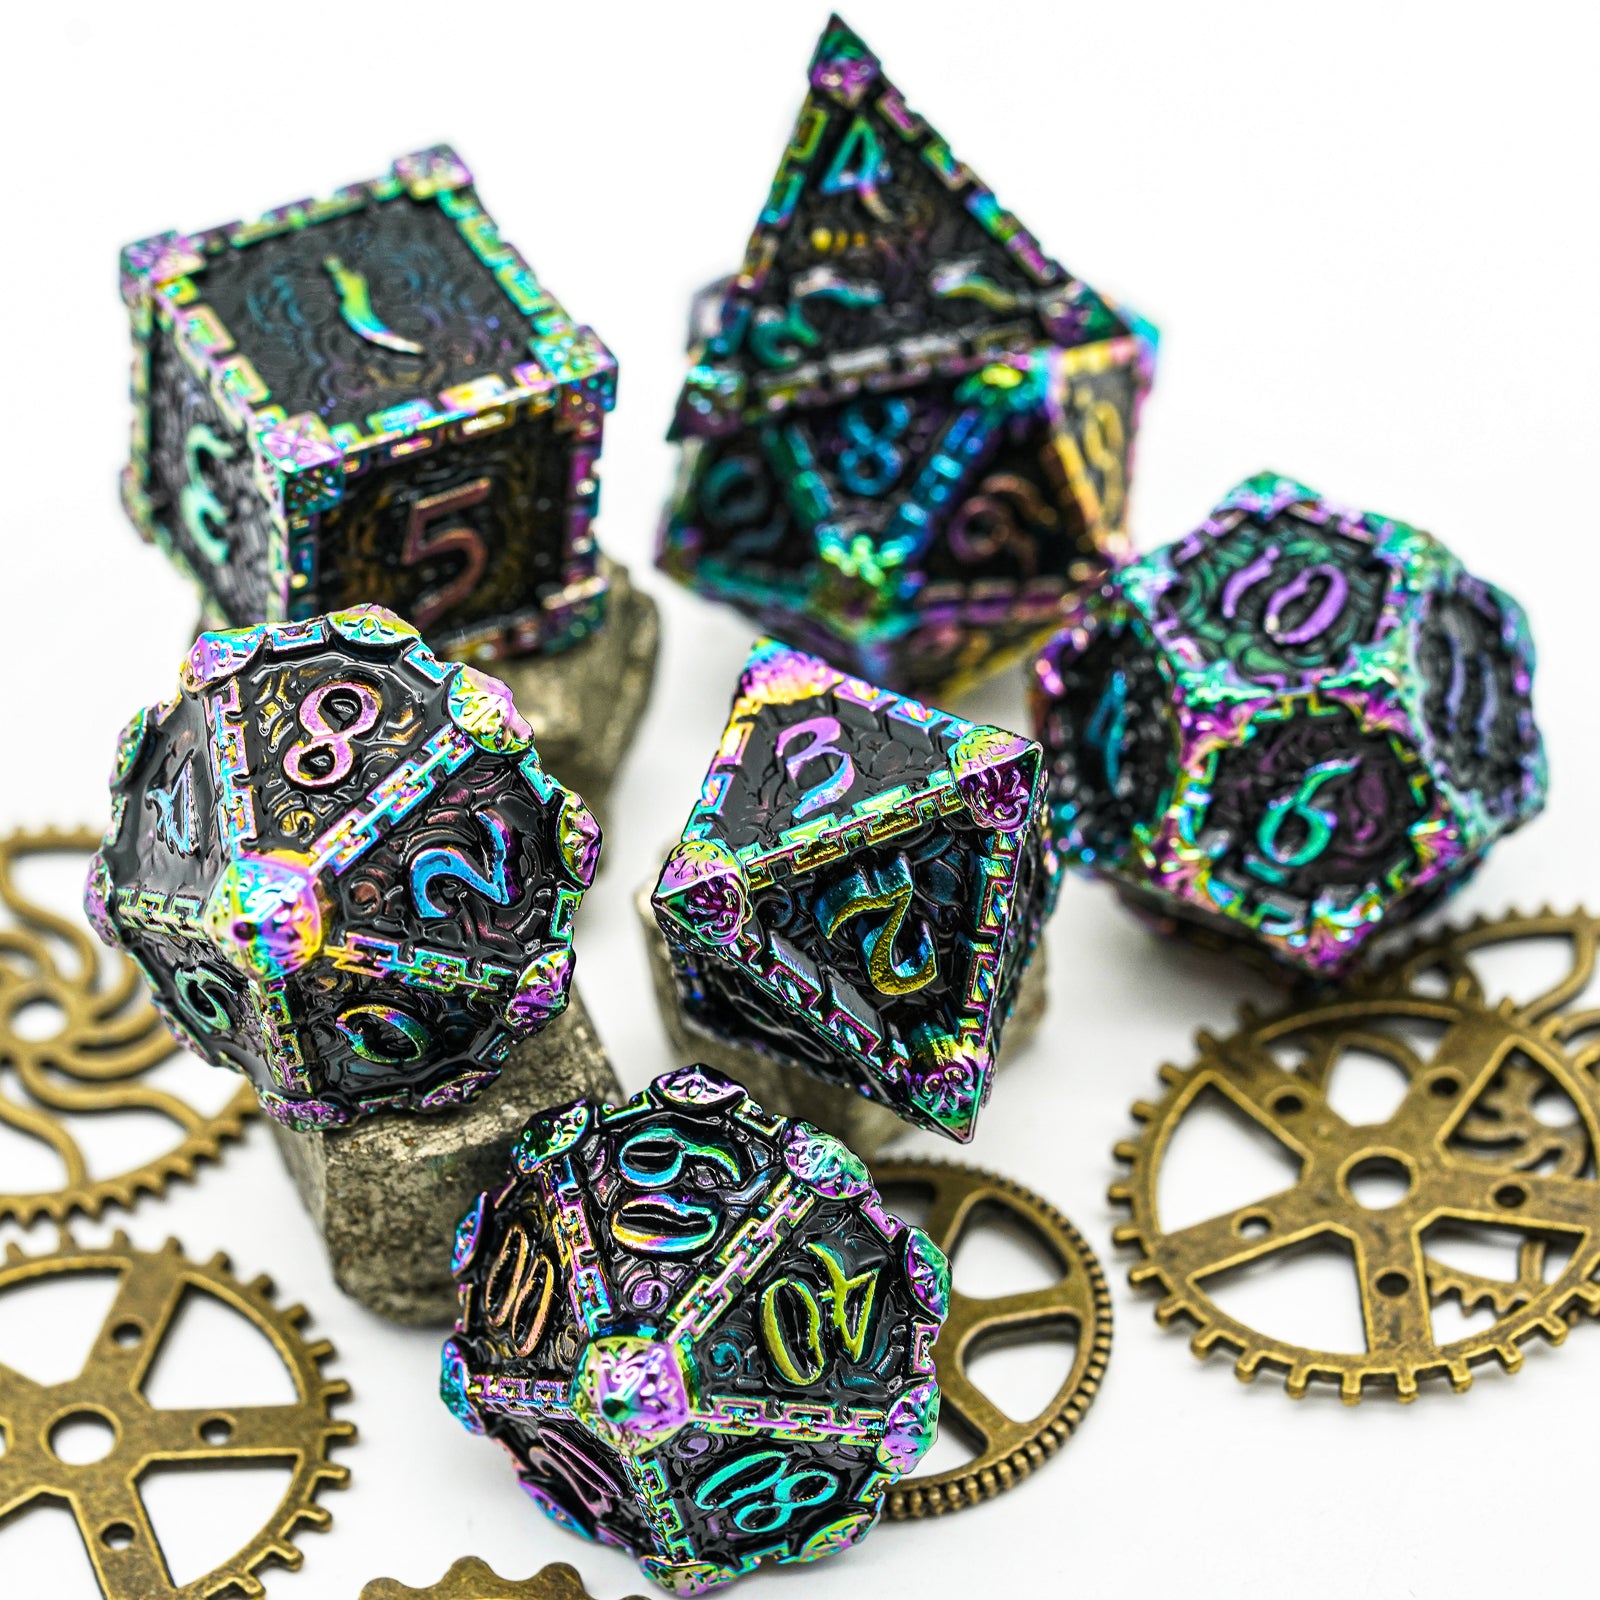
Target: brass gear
x: 470, y: 1579
x: 104, y: 1495
x: 112, y: 1036
x: 1447, y: 958
x: 1465, y: 1138
x: 1009, y: 1450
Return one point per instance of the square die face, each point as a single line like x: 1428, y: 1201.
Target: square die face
x: 357, y: 313
x: 460, y: 539
x: 205, y: 502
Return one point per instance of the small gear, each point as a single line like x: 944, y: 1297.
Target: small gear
x: 1463, y: 1144
x: 470, y: 1579
x: 104, y: 1495
x: 110, y: 1038
x: 1008, y: 1450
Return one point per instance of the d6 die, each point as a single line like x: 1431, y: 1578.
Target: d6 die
x: 1296, y: 727
x: 370, y: 398
x: 906, y: 431
x: 342, y: 868
x: 696, y: 1330
x: 860, y: 887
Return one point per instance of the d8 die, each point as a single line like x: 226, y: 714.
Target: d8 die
x: 860, y: 887
x: 370, y: 398
x: 906, y: 431
x: 342, y: 868
x: 696, y: 1331
x: 1296, y: 727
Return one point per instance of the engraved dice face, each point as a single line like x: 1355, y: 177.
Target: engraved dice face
x: 1297, y: 726
x: 370, y: 397
x: 696, y: 1331
x: 860, y: 887
x: 342, y: 868
x: 906, y: 431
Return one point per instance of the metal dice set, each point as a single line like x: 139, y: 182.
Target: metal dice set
x: 371, y: 437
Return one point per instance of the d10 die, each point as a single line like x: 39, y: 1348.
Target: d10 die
x: 696, y: 1331
x: 342, y: 868
x: 906, y: 431
x: 860, y: 887
x: 1297, y: 727
x: 370, y: 398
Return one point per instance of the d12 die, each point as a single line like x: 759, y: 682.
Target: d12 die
x: 370, y: 398
x: 906, y: 431
x: 696, y: 1330
x: 1296, y: 727
x: 860, y: 887
x: 342, y: 868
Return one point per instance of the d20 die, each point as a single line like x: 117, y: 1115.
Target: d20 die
x: 342, y: 868
x: 907, y: 432
x: 1296, y: 727
x: 860, y: 887
x: 696, y: 1331
x: 370, y: 398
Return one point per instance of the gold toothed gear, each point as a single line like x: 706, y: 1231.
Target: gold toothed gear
x: 1447, y: 956
x: 1464, y: 1138
x: 470, y: 1579
x: 104, y: 1495
x: 111, y: 1038
x: 959, y: 1197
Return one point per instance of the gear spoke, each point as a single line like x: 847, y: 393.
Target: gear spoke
x: 224, y: 1433
x: 146, y: 1302
x: 1260, y: 1087
x: 1538, y: 1201
x: 1246, y: 1233
x: 1394, y: 1289
x: 1471, y: 1052
x: 119, y: 1539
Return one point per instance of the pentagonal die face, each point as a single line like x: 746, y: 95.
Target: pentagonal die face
x: 696, y: 1331
x: 1296, y: 726
x: 860, y: 888
x: 343, y: 867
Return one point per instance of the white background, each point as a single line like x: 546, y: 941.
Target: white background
x: 1368, y: 234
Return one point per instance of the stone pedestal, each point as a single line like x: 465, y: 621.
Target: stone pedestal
x: 585, y: 703
x: 386, y: 1194
x: 864, y: 1125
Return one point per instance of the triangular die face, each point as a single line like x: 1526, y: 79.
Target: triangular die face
x: 875, y: 236
x: 808, y: 747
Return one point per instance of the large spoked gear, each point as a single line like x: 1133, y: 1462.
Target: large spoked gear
x: 471, y: 1579
x: 1008, y: 1451
x: 109, y: 1039
x: 104, y: 1495
x: 1464, y: 1143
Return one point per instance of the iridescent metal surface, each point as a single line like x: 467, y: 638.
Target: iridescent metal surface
x: 696, y: 1331
x: 342, y: 867
x: 1295, y: 728
x: 860, y: 887
x: 370, y: 398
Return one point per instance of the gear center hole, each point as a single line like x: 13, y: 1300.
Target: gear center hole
x: 83, y: 1437
x: 1378, y: 1182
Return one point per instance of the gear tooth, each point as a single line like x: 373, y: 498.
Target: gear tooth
x: 1296, y: 1381
x: 1120, y: 1194
x: 1126, y: 1233
x: 296, y: 1315
x: 322, y: 1349
x: 1205, y: 1039
x: 1508, y: 1355
x: 1170, y: 1075
x: 1142, y: 1272
x: 1168, y: 1310
x: 1249, y: 1017
x: 1126, y: 1150
x: 220, y: 1262
x: 1405, y: 1384
x: 1554, y: 1328
x: 1201, y: 1344
x: 315, y: 1517
x: 1142, y: 1111
x: 14, y: 1253
x: 1350, y: 1388
x: 1460, y: 1376
x: 120, y: 1241
x: 262, y: 1285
